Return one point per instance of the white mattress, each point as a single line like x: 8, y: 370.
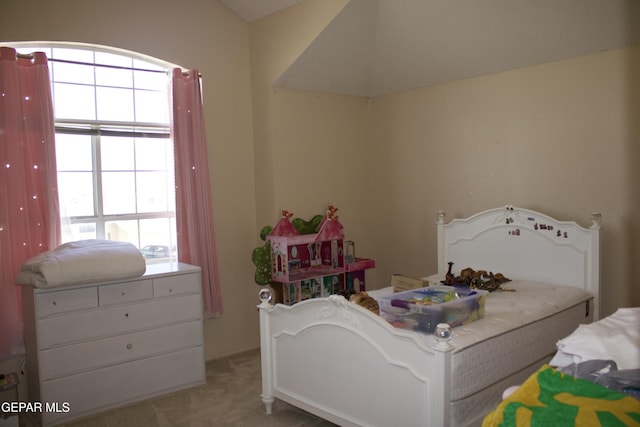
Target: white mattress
x: 519, y: 330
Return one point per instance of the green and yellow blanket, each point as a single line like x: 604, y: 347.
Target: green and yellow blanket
x: 551, y: 398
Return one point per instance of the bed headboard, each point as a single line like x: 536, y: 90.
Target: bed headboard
x: 523, y: 244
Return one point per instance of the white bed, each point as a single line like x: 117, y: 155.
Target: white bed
x: 345, y: 364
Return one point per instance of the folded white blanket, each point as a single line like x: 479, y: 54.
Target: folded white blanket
x: 616, y: 337
x: 84, y: 261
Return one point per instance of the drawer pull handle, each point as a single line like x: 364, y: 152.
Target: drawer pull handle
x: 129, y: 346
x: 126, y: 315
x: 54, y: 303
x: 123, y: 294
x: 170, y: 290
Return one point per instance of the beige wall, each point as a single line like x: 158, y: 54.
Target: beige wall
x: 199, y: 34
x: 561, y: 138
x: 321, y: 157
x: 276, y: 41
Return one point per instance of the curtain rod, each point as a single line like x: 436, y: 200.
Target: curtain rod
x: 118, y: 67
x: 66, y: 61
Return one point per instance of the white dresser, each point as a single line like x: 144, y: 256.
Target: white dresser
x: 98, y: 346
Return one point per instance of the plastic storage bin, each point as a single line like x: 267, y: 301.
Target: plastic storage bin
x: 422, y: 309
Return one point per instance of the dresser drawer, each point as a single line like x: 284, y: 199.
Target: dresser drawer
x: 63, y: 301
x: 108, y: 321
x: 61, y: 361
x: 126, y: 383
x: 175, y: 285
x: 125, y: 292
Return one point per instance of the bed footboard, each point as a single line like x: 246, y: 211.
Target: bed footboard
x: 339, y: 361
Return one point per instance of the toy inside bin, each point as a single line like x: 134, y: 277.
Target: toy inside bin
x: 422, y: 309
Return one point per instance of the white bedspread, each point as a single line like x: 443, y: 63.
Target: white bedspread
x: 616, y: 337
x: 84, y: 261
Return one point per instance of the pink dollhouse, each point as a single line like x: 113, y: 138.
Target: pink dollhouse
x: 311, y: 265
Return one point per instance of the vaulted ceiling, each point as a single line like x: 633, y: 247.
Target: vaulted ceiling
x: 376, y: 47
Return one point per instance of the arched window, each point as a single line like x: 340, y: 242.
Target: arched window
x: 113, y: 148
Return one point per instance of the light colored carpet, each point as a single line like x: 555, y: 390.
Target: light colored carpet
x: 231, y: 397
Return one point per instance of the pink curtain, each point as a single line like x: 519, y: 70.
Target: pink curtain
x: 194, y: 219
x: 29, y: 213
